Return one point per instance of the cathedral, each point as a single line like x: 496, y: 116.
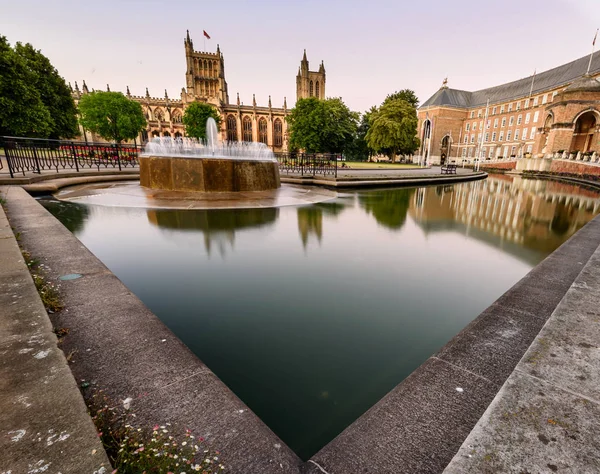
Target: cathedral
x: 205, y: 82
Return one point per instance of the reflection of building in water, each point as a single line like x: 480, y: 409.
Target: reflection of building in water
x: 536, y: 214
x: 310, y: 219
x: 217, y: 226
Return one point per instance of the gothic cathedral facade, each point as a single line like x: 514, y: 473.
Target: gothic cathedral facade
x: 205, y: 82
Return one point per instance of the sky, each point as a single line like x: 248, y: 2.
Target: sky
x: 370, y: 48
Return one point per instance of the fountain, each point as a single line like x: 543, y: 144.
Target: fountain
x: 186, y: 164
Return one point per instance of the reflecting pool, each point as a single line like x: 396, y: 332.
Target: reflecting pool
x: 311, y: 314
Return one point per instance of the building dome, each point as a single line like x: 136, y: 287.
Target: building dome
x: 585, y: 83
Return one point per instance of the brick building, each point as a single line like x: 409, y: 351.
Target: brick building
x: 205, y: 82
x: 554, y: 111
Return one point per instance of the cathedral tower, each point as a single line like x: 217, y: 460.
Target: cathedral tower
x: 205, y: 75
x: 310, y: 83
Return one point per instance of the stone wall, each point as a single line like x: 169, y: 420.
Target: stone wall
x: 510, y: 165
x: 562, y: 166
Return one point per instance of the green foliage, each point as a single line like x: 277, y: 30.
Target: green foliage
x: 195, y: 116
x: 47, y: 290
x: 405, y: 94
x: 111, y: 115
x: 393, y: 128
x: 133, y: 450
x: 22, y: 111
x: 34, y: 100
x: 54, y: 92
x: 359, y: 149
x: 322, y: 125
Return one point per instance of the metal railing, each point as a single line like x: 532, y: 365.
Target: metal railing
x: 37, y: 155
x: 309, y: 164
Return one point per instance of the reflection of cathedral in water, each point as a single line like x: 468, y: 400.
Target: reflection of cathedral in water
x: 218, y: 227
x: 539, y: 215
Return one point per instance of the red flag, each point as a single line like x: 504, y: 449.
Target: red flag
x: 206, y: 34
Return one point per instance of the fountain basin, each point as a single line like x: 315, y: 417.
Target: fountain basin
x: 208, y: 174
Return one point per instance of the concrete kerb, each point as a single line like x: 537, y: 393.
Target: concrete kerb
x: 44, y: 423
x: 551, y: 401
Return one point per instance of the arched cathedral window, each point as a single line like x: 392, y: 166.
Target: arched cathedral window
x: 278, y: 133
x: 262, y: 130
x: 247, y: 127
x: 317, y: 90
x: 310, y: 93
x: 231, y: 128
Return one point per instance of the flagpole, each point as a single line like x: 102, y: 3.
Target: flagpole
x: 487, y: 108
x: 592, y: 55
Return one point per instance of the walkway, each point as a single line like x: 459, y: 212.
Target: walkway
x: 44, y: 424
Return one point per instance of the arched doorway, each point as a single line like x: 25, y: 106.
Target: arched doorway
x: 584, y: 133
x: 445, y: 149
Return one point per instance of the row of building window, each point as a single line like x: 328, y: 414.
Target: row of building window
x: 488, y: 152
x: 511, y: 121
x: 471, y: 138
x: 206, y: 68
x: 526, y: 105
x: 231, y: 124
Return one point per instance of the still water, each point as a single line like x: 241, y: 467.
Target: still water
x: 311, y: 314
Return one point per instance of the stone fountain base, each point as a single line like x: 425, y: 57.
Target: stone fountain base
x: 210, y: 175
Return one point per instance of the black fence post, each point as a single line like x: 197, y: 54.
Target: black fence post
x: 75, y: 156
x: 9, y: 162
x: 118, y: 157
x: 336, y: 163
x: 35, y: 158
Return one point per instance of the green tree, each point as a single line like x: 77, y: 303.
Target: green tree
x: 22, y: 111
x: 405, y: 94
x: 393, y: 129
x: 54, y: 92
x: 360, y: 151
x: 322, y: 125
x: 195, y: 116
x: 111, y: 115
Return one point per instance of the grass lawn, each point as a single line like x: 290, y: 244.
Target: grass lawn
x: 363, y: 165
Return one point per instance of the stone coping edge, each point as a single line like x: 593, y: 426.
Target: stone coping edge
x: 420, y: 424
x: 384, y: 182
x: 119, y: 346
x: 8, y: 181
x: 44, y: 422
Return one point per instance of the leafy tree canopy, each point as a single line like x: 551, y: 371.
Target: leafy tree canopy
x: 34, y: 100
x: 405, y: 94
x: 22, y: 112
x: 195, y: 116
x: 322, y: 125
x: 393, y: 128
x: 111, y: 115
x: 54, y: 92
